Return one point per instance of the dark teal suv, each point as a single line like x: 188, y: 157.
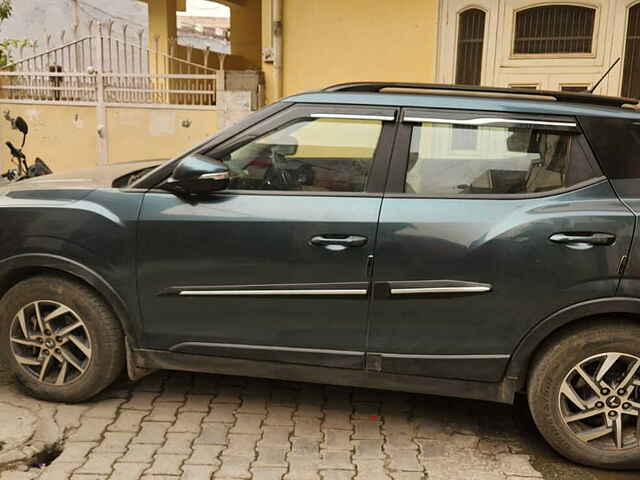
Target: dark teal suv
x: 470, y: 242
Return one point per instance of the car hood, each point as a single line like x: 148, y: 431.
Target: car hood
x: 86, y: 179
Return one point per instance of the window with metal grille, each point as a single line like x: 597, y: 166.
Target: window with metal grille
x: 470, y: 47
x: 554, y: 29
x: 631, y: 77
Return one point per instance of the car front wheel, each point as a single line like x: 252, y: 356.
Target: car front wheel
x: 584, y: 395
x: 60, y: 338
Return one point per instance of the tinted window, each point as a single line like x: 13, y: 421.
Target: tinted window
x: 447, y: 159
x: 326, y: 154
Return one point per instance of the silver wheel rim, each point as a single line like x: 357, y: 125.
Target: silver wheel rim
x: 599, y: 401
x: 50, y: 342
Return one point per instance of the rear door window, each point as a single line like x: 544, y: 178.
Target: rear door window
x: 489, y: 155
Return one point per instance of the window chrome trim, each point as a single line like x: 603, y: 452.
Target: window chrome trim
x: 345, y: 116
x: 214, y: 293
x: 488, y: 121
x: 410, y: 291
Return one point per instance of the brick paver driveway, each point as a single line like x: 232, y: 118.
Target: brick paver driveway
x: 197, y: 426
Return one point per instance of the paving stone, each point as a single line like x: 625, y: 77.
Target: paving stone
x: 164, y: 464
x: 247, y: 423
x: 99, y: 463
x: 431, y: 448
x: 197, y: 472
x: 517, y: 465
x: 152, y: 432
x: 150, y: 383
x: 337, y: 440
x: 431, y: 427
x: 279, y: 416
x: 268, y: 473
x: 399, y: 441
x: 75, y: 452
x: 221, y: 412
x: 366, y: 430
x: 338, y: 400
x: 18, y: 475
x: 178, y: 443
x: 158, y: 477
x: 60, y: 471
x: 253, y: 403
x: 127, y: 421
x: 227, y: 394
x: 303, y: 467
x: 336, y: 461
x: 128, y: 471
x: 305, y: 446
x: 234, y: 467
x: 213, y: 434
x: 241, y: 446
x: 139, y: 453
x: 404, y: 460
x: 69, y: 415
x: 370, y: 469
x: 114, y: 442
x: 409, y: 476
x: 337, y: 420
x: 371, y: 449
x: 307, y: 427
x: 84, y: 476
x: 90, y: 430
x: 164, y: 412
x: 205, y: 455
x: 197, y: 403
x: 271, y: 457
x: 140, y: 401
x: 337, y: 475
x: 309, y: 410
x: 275, y: 437
x: 104, y: 409
x: 188, y: 422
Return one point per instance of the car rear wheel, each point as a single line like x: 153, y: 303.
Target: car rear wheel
x: 60, y: 338
x: 584, y: 395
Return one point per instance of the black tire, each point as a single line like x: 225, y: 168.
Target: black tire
x: 553, y: 364
x: 105, y: 337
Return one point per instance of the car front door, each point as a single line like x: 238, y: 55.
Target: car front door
x: 491, y: 223
x: 276, y: 266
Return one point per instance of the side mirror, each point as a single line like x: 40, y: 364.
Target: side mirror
x: 197, y: 175
x: 21, y: 125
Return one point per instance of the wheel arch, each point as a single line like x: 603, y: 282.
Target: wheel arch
x: 587, y: 311
x: 20, y: 267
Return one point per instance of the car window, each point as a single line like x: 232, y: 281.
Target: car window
x: 449, y: 159
x: 322, y: 154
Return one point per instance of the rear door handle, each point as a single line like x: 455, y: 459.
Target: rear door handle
x: 589, y: 238
x: 339, y: 242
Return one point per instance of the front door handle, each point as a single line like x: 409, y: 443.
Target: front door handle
x: 339, y: 242
x: 582, y: 238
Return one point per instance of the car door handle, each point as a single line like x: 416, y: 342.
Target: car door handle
x: 589, y: 238
x: 339, y: 242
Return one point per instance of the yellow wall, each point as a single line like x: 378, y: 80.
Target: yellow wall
x: 63, y: 136
x: 149, y: 133
x: 334, y: 41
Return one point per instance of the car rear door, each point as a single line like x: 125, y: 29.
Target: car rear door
x: 491, y: 222
x: 276, y: 266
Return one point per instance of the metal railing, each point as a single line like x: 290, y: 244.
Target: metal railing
x: 110, y: 69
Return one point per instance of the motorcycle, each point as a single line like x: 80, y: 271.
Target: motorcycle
x: 23, y: 170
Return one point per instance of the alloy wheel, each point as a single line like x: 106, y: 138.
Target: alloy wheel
x: 599, y: 401
x: 51, y: 342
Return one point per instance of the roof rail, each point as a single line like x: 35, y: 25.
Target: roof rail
x: 575, y: 97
